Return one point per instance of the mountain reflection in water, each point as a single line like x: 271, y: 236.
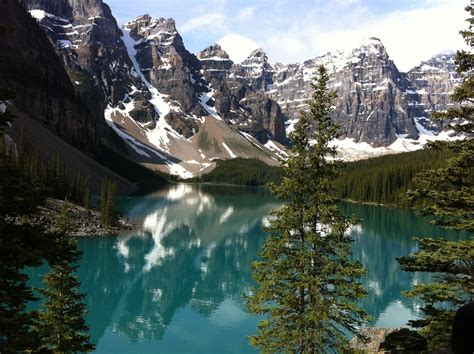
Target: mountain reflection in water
x: 175, y: 282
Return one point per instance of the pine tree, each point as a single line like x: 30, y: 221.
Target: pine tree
x: 86, y: 194
x: 108, y: 203
x: 61, y: 323
x: 447, y: 195
x: 112, y: 211
x: 306, y: 281
x: 104, y: 193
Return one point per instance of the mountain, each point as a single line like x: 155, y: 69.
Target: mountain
x: 373, y: 105
x: 435, y: 81
x: 177, y: 111
x: 150, y: 88
x: 48, y: 114
x: 379, y: 108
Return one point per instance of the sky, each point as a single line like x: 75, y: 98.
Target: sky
x: 296, y: 30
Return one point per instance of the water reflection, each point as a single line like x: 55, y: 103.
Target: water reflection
x: 192, y: 248
x: 384, y: 235
x: 175, y: 282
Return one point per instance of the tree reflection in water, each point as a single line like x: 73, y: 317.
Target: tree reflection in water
x: 175, y: 282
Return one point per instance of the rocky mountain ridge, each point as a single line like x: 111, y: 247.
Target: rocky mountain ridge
x: 177, y: 111
x: 376, y: 103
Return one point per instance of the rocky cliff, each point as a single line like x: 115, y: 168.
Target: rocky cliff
x: 375, y: 101
x: 435, y: 80
x: 161, y: 99
x: 30, y: 67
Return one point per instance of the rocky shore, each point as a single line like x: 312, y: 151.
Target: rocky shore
x: 376, y: 336
x: 82, y: 222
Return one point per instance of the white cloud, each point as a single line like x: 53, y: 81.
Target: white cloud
x: 286, y: 46
x: 409, y: 36
x: 215, y: 20
x: 238, y: 47
x: 246, y: 13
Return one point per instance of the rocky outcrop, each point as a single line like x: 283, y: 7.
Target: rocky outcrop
x: 256, y: 70
x: 156, y: 95
x: 435, y: 81
x: 215, y: 63
x: 82, y: 222
x: 166, y: 63
x: 375, y: 102
x: 239, y: 93
x: 89, y: 43
x: 31, y: 68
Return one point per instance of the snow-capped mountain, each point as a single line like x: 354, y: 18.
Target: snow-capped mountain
x: 435, y: 80
x: 380, y: 109
x: 177, y: 111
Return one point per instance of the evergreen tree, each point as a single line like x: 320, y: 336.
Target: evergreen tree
x: 447, y: 194
x: 112, y: 196
x: 108, y: 203
x: 104, y: 193
x: 61, y: 323
x: 306, y: 281
x: 86, y: 194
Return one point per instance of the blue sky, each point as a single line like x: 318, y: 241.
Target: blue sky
x: 296, y: 30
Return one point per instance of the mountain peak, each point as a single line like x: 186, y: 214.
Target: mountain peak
x: 371, y: 45
x: 371, y: 41
x: 160, y: 30
x: 258, y: 53
x: 148, y: 23
x: 258, y: 56
x: 214, y: 51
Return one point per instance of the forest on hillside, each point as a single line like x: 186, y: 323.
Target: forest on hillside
x: 380, y: 180
x: 385, y: 179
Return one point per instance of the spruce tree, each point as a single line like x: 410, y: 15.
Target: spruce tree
x: 306, y: 283
x: 112, y: 211
x: 61, y: 324
x: 447, y: 195
x: 86, y: 194
x: 104, y: 193
x: 108, y: 203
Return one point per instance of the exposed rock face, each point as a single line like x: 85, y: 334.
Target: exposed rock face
x: 239, y: 93
x: 375, y: 103
x: 166, y: 63
x: 215, y: 63
x: 32, y: 69
x: 256, y: 70
x: 435, y: 80
x: 89, y: 43
x: 156, y: 95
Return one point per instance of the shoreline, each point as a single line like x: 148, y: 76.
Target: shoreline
x: 82, y: 222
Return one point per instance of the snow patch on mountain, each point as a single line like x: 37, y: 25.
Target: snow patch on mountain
x: 349, y: 150
x: 204, y: 99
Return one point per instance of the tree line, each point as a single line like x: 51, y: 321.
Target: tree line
x: 386, y: 179
x: 242, y: 171
x: 26, y: 181
x: 305, y: 282
x: 59, y: 325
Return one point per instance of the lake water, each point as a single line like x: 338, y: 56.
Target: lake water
x: 174, y: 283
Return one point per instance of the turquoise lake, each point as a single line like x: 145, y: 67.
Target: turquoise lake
x: 174, y: 283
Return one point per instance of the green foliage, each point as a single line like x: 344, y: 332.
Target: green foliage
x: 306, y: 281
x: 453, y: 262
x: 242, y: 171
x: 385, y: 179
x: 108, y: 203
x: 61, y: 325
x: 23, y: 186
x: 447, y: 194
x: 404, y: 341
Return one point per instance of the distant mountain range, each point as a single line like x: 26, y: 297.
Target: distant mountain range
x: 178, y: 111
